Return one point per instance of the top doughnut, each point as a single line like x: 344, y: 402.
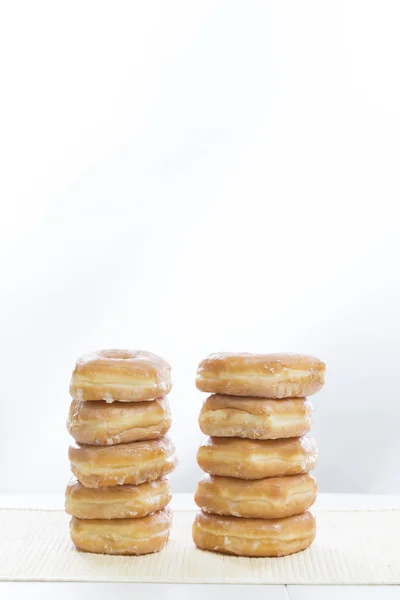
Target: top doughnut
x: 261, y: 375
x: 120, y: 375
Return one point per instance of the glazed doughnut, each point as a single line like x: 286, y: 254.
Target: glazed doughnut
x: 117, y: 502
x: 256, y: 459
x: 254, y: 537
x: 124, y: 375
x: 99, y: 423
x: 270, y: 498
x: 232, y: 416
x: 122, y: 536
x: 135, y: 463
x: 261, y: 375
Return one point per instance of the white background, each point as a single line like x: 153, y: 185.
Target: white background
x: 188, y: 177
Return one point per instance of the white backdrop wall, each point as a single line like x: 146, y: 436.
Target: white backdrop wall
x: 189, y: 177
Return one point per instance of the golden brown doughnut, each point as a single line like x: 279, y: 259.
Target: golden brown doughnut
x: 232, y: 416
x: 122, y: 536
x: 135, y: 463
x: 123, y: 375
x: 270, y: 498
x: 99, y: 423
x: 256, y: 459
x: 117, y: 502
x: 261, y: 375
x: 254, y: 537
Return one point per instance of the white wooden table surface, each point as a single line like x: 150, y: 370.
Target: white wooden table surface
x: 116, y: 591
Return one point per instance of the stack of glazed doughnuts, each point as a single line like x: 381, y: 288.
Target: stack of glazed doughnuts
x: 119, y: 416
x: 255, y: 497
